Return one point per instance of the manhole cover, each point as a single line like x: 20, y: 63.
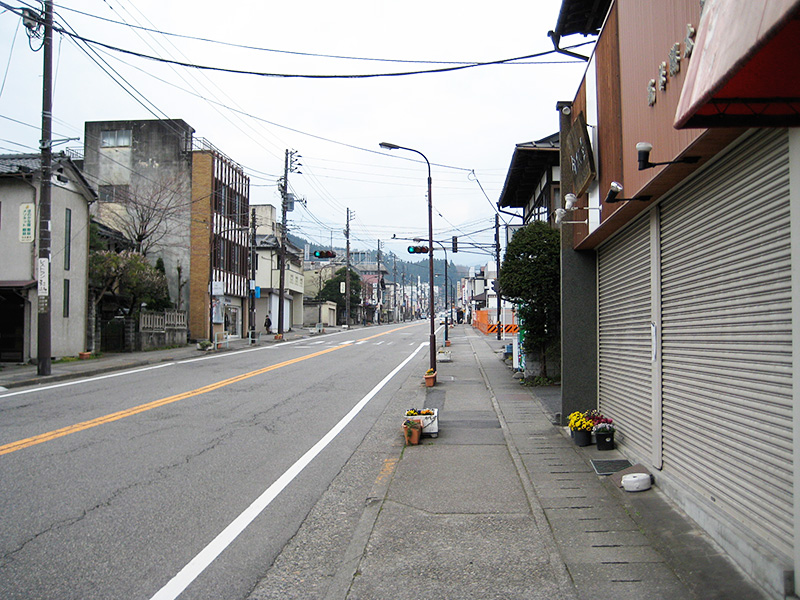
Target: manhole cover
x: 607, y: 467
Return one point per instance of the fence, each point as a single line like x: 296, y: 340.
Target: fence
x: 161, y: 321
x: 486, y: 321
x: 161, y: 329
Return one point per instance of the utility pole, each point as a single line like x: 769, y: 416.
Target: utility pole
x: 378, y: 285
x: 289, y: 166
x: 394, y: 287
x: 45, y: 145
x: 347, y: 272
x: 253, y: 258
x: 497, y: 261
x: 405, y: 305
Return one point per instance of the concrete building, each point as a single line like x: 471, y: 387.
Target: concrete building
x: 71, y: 196
x: 679, y: 314
x: 178, y: 198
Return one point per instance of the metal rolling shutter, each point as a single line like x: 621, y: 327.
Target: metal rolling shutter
x: 625, y: 346
x: 726, y: 336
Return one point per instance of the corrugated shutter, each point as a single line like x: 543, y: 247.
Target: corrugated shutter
x: 625, y: 345
x: 726, y: 336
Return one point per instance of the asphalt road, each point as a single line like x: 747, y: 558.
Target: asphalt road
x: 185, y: 479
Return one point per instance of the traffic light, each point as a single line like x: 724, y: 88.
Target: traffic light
x: 324, y: 254
x: 455, y: 243
x: 418, y: 249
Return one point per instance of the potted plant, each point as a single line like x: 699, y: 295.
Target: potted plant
x: 411, y: 431
x: 581, y: 429
x: 430, y: 378
x: 428, y: 418
x: 604, y: 432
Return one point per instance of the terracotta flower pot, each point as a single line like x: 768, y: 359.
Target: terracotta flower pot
x: 430, y: 380
x: 412, y: 435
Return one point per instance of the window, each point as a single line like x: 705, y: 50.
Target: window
x: 113, y: 193
x: 67, y: 238
x: 66, y: 298
x: 112, y: 139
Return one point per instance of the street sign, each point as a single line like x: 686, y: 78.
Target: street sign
x: 27, y: 214
x: 44, y: 276
x: 341, y: 287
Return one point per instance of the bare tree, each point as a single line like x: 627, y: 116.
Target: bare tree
x: 147, y: 211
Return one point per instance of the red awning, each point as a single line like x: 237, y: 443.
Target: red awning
x: 745, y: 69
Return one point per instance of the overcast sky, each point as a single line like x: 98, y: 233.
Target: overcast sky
x: 463, y: 121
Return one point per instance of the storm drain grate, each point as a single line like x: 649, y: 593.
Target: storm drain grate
x: 608, y: 467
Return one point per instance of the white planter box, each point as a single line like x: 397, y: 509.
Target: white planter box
x: 430, y: 423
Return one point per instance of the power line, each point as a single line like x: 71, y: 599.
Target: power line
x: 298, y: 75
x: 261, y: 49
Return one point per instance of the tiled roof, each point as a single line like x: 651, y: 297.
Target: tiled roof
x: 19, y: 163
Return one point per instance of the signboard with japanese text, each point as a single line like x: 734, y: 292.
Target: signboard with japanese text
x: 27, y: 220
x: 578, y: 148
x: 43, y: 276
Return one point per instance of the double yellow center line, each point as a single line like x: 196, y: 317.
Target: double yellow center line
x: 110, y: 418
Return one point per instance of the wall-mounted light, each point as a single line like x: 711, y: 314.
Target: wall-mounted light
x: 643, y: 149
x: 561, y: 213
x: 571, y: 203
x: 614, y: 192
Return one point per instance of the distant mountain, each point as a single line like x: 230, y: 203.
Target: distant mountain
x: 412, y: 270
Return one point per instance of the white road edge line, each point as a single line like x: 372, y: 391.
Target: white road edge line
x: 217, y: 546
x: 97, y: 378
x: 148, y: 368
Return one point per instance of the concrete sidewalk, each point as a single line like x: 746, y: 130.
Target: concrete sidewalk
x: 501, y: 505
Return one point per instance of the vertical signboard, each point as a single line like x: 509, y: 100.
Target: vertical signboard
x: 27, y: 220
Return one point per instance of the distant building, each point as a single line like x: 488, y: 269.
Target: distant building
x: 268, y: 274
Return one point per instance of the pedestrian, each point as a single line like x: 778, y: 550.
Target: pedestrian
x: 268, y: 324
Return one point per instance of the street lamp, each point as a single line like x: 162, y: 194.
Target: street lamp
x: 432, y: 341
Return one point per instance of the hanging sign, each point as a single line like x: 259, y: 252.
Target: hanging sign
x: 579, y: 154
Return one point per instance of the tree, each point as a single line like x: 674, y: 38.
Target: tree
x: 330, y: 291
x: 147, y: 211
x: 530, y: 276
x: 129, y: 278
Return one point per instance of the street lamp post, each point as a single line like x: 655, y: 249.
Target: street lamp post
x: 446, y: 280
x: 432, y: 340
